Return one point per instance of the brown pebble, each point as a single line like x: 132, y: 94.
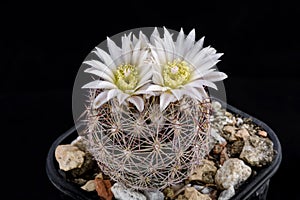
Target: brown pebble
x: 242, y: 133
x: 223, y: 156
x: 103, y: 188
x: 262, y: 133
x: 229, y: 129
x: 219, y: 147
x: 214, y: 195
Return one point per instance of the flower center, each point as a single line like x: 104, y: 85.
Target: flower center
x: 176, y: 73
x: 126, y: 77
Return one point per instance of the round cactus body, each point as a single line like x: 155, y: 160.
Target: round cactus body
x: 151, y: 149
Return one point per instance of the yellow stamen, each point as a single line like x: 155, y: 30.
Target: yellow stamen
x: 126, y: 77
x: 176, y: 73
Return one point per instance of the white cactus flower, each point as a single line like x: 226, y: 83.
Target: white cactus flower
x: 124, y: 72
x: 182, y: 67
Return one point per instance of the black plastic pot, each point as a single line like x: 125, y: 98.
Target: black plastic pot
x: 255, y: 187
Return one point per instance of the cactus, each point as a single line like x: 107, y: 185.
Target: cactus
x: 156, y: 134
x: 149, y: 149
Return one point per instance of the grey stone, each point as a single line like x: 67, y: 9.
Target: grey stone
x: 122, y: 193
x: 257, y: 151
x: 233, y: 172
x: 227, y: 194
x: 154, y: 195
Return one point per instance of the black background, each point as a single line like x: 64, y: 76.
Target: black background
x: 43, y: 46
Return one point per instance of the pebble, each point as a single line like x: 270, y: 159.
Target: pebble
x: 69, y: 157
x: 122, y: 193
x: 257, y: 151
x: 154, y: 195
x: 89, y: 186
x: 227, y: 194
x: 205, y: 172
x: 233, y: 172
x: 191, y: 193
x: 262, y: 133
x: 103, y: 188
x: 242, y: 133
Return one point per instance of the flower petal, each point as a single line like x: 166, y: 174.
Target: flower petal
x: 201, y: 68
x: 154, y: 36
x: 208, y: 71
x: 141, y: 84
x: 160, y: 51
x: 215, y: 76
x: 145, y: 77
x: 169, y: 45
x: 100, y: 99
x: 105, y: 57
x: 189, y: 41
x: 138, y: 102
x: 202, y: 92
x: 144, y: 69
x: 196, y: 93
x: 165, y: 100
x: 208, y: 58
x: 199, y: 83
x: 126, y: 48
x: 143, y: 90
x: 112, y: 93
x: 144, y: 40
x: 157, y: 88
x: 205, y: 55
x: 179, y: 43
x: 97, y: 84
x: 101, y: 74
x: 136, y: 52
x: 115, y: 51
x: 157, y: 78
x: 100, y: 66
x: 194, y: 50
x: 141, y: 58
x: 122, y: 97
x: 134, y: 39
x: 178, y: 93
x: 197, y: 74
